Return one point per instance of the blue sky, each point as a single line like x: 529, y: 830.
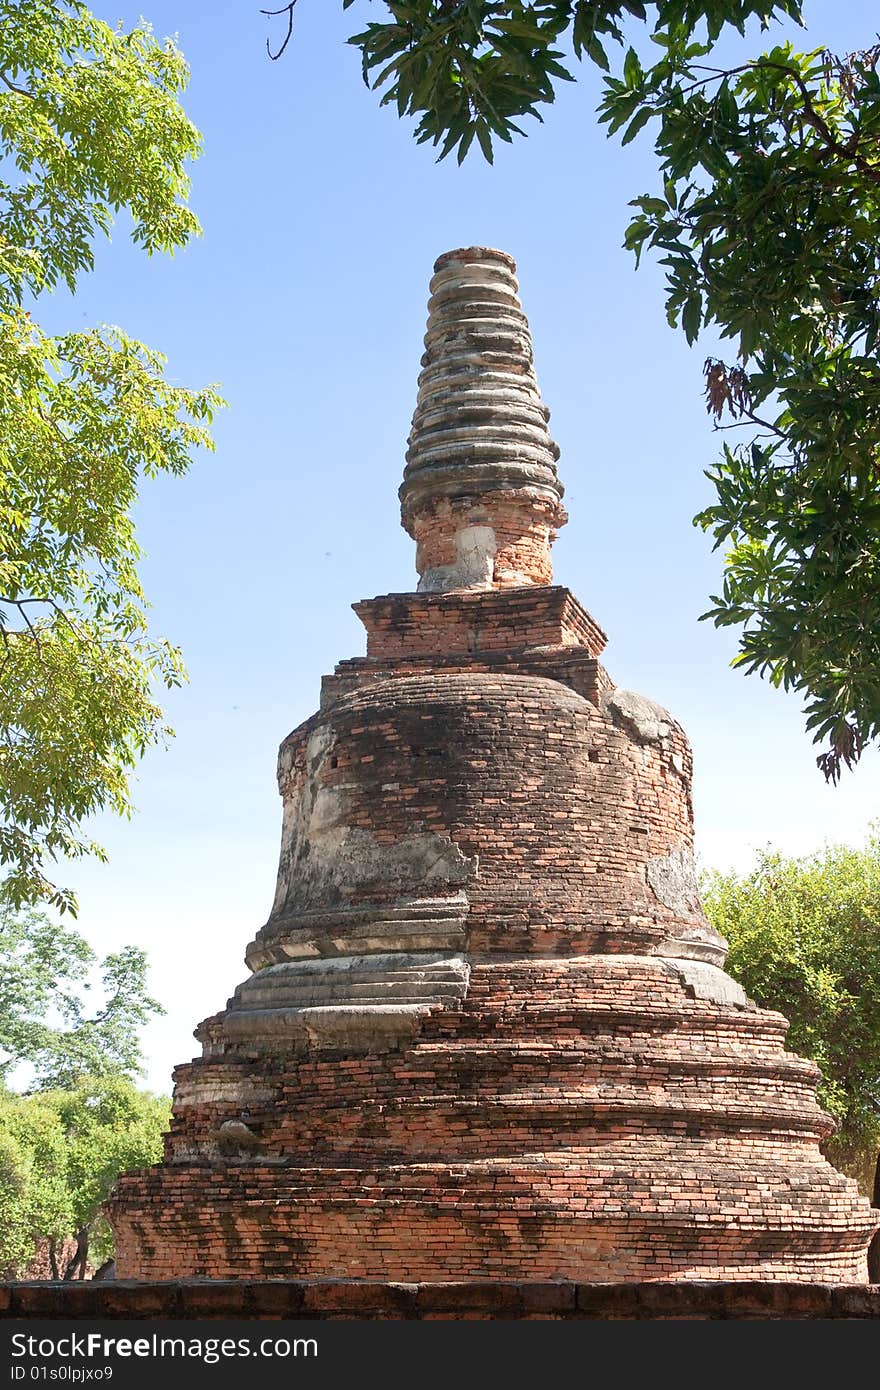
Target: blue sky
x: 305, y: 300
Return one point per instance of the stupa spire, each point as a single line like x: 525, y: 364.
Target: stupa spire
x: 480, y: 496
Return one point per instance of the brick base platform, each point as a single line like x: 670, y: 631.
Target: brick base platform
x: 507, y: 1300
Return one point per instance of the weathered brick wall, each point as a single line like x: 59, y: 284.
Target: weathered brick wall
x: 563, y: 809
x: 40, y: 1265
x: 450, y: 1301
x: 522, y: 532
x: 570, y: 666
x: 584, y: 1096
x: 581, y: 1120
x: 403, y: 627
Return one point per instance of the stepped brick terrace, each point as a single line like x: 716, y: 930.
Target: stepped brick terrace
x: 487, y: 1033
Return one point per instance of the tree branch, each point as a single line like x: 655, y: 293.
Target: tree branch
x: 811, y: 115
x: 20, y: 603
x: 19, y: 91
x: 288, y: 10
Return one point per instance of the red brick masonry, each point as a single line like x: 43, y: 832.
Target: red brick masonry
x: 487, y: 1035
x: 498, y: 1300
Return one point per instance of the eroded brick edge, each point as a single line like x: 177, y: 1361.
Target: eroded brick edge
x: 319, y: 1299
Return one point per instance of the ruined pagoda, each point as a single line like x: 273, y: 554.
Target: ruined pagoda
x: 487, y: 1032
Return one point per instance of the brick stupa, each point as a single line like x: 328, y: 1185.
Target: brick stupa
x: 487, y: 1031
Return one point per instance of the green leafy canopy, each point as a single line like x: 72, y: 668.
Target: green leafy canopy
x: 46, y: 1024
x: 90, y: 125
x: 85, y: 1120
x: 765, y: 219
x: 804, y: 938
x: 474, y: 69
x: 768, y: 230
x: 78, y: 1050
x: 60, y: 1153
x: 34, y: 1197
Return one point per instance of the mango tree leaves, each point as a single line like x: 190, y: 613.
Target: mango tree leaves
x: 477, y: 67
x: 768, y: 231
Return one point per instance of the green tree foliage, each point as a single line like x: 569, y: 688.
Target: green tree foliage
x: 765, y: 217
x: 805, y: 939
x: 45, y: 1023
x: 90, y: 125
x: 768, y: 228
x: 60, y: 1153
x: 34, y: 1198
x: 472, y: 70
x: 85, y: 1120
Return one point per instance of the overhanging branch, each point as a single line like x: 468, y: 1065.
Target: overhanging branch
x: 271, y: 14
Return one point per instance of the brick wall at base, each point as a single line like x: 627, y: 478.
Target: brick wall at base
x: 451, y: 1301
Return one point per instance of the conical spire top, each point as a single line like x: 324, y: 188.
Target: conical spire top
x: 480, y: 496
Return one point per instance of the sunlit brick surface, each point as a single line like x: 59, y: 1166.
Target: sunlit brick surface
x: 487, y: 1033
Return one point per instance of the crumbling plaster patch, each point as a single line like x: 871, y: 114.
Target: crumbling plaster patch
x: 642, y: 718
x: 475, y: 549
x: 706, y: 981
x: 673, y: 879
x: 324, y: 861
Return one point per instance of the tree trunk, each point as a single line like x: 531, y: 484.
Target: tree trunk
x: 53, y: 1258
x: 77, y: 1267
x: 874, y: 1247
